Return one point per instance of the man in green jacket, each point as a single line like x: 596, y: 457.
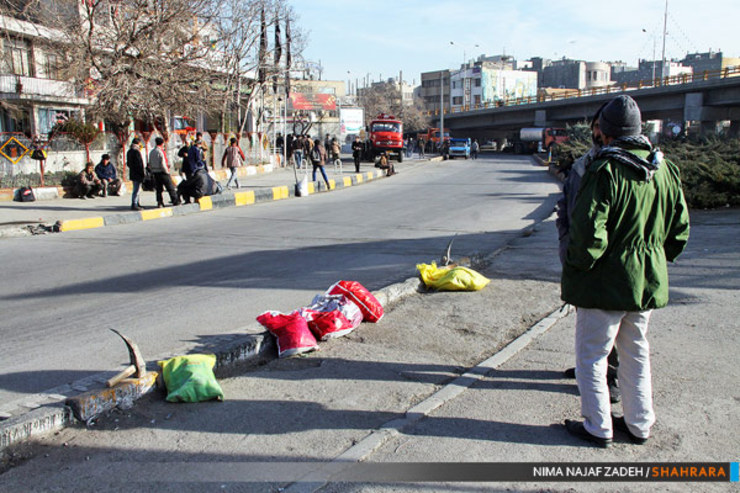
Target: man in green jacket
x: 630, y: 218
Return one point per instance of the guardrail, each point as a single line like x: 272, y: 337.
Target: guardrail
x: 594, y: 91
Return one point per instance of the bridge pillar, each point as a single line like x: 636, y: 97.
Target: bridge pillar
x: 540, y: 118
x: 695, y: 111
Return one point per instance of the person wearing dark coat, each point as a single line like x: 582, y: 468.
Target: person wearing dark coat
x: 106, y: 173
x: 136, y: 172
x: 357, y: 149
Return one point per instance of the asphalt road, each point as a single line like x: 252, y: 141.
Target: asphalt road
x: 178, y: 284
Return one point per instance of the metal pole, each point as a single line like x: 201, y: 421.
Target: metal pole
x: 441, y: 110
x: 665, y: 25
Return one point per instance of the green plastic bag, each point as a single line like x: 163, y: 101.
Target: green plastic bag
x: 190, y: 378
x: 451, y: 278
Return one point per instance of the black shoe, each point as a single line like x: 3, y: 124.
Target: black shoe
x: 91, y: 196
x: 615, y: 395
x: 619, y: 424
x: 576, y: 429
x: 570, y: 373
x: 137, y: 208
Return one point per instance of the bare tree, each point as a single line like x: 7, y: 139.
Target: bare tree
x: 137, y: 59
x: 250, y: 66
x: 385, y: 97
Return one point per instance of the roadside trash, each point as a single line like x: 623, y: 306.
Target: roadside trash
x: 25, y: 194
x: 332, y: 316
x: 371, y: 309
x: 301, y: 187
x: 291, y: 332
x: 451, y: 278
x: 190, y: 378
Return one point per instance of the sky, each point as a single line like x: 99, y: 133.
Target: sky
x: 354, y: 38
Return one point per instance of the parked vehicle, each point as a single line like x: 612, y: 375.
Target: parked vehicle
x: 539, y: 139
x: 459, y: 148
x: 431, y: 137
x: 386, y: 134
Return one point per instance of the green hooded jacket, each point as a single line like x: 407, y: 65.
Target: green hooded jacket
x: 623, y: 231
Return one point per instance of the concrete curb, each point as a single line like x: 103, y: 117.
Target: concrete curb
x: 85, y: 407
x: 214, y: 202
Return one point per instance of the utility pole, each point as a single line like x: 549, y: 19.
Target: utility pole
x: 441, y: 109
x: 665, y: 26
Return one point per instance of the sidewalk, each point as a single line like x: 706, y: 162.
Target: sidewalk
x: 432, y: 382
x: 51, y: 213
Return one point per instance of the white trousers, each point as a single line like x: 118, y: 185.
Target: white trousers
x: 596, y: 333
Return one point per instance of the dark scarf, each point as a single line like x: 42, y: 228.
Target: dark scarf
x: 619, y: 151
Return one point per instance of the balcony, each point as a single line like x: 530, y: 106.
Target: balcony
x: 33, y: 89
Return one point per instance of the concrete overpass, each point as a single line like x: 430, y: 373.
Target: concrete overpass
x: 698, y: 101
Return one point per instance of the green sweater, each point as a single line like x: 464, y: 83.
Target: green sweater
x: 623, y: 231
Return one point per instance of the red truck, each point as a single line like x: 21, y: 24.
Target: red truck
x: 431, y: 137
x: 386, y: 134
x: 531, y: 140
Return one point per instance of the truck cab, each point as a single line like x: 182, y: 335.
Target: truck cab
x: 386, y: 134
x: 459, y: 148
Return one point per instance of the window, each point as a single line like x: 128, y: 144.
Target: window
x: 454, y: 84
x: 18, y: 56
x: 477, y: 82
x: 48, y: 117
x: 51, y: 67
x: 457, y: 100
x: 476, y: 99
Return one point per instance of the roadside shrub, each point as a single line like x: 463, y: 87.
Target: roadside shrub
x: 710, y: 166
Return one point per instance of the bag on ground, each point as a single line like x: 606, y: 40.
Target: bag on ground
x: 291, y: 332
x: 25, y: 194
x: 190, y: 378
x: 371, y: 309
x: 451, y: 278
x: 331, y: 316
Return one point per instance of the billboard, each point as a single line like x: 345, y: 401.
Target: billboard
x: 351, y: 123
x: 312, y: 102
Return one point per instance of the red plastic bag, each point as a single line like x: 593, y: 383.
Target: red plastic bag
x: 332, y: 316
x: 291, y: 331
x: 371, y: 309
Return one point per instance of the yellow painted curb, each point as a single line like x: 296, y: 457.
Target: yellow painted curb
x: 244, y: 198
x: 332, y: 184
x: 150, y: 214
x: 205, y: 203
x: 370, y: 175
x: 311, y: 188
x: 279, y: 193
x: 360, y: 178
x: 76, y: 224
x: 347, y: 181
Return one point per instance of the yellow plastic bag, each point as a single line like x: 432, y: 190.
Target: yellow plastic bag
x: 451, y: 278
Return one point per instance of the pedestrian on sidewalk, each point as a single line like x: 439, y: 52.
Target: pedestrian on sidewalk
x: 474, y: 149
x: 357, y: 149
x: 160, y: 170
x: 564, y: 209
x: 136, y: 172
x: 233, y: 158
x: 183, y: 154
x: 298, y: 151
x: 629, y: 218
x: 318, y: 159
x: 422, y: 144
x: 88, y: 185
x: 106, y: 173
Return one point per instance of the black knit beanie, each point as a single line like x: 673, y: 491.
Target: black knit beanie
x: 620, y: 117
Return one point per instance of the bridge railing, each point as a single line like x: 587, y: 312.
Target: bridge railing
x: 594, y: 91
